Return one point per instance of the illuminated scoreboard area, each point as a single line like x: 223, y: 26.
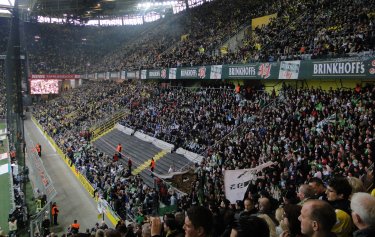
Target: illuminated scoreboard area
x: 45, y: 84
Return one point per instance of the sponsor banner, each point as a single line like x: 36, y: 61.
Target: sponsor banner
x: 130, y: 75
x: 289, y: 69
x: 143, y: 74
x: 251, y: 71
x: 157, y: 74
x: 55, y: 76
x: 172, y: 73
x: 216, y: 71
x: 101, y: 76
x: 114, y: 75
x: 237, y: 181
x: 339, y: 68
x: 194, y: 73
x: 123, y: 75
x: 336, y: 69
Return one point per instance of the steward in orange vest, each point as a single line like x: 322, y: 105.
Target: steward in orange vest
x: 39, y: 149
x: 55, y: 213
x: 119, y: 150
x: 74, y: 227
x: 152, y: 165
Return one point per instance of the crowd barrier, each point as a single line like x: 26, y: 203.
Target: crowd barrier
x: 193, y: 157
x: 111, y: 215
x: 156, y: 142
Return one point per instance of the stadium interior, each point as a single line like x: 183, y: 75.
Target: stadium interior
x: 116, y: 112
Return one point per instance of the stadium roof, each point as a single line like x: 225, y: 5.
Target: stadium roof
x: 5, y: 6
x: 94, y: 8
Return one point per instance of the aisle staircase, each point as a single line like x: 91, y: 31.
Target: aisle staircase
x: 140, y: 153
x: 107, y: 125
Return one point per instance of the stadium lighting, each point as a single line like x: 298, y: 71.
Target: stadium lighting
x: 147, y: 5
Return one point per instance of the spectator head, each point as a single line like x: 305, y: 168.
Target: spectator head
x: 264, y: 205
x: 249, y: 205
x: 146, y: 230
x: 180, y: 219
x: 338, y: 189
x: 225, y: 203
x: 363, y: 210
x: 249, y: 225
x: 270, y: 223
x: 317, y: 185
x: 305, y: 191
x: 239, y: 205
x: 198, y: 222
x: 170, y: 224
x: 344, y: 225
x: 290, y: 219
x: 317, y: 218
x: 356, y: 184
x: 99, y: 233
x: 290, y: 197
x: 111, y: 233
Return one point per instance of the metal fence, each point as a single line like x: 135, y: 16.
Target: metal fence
x: 42, y: 186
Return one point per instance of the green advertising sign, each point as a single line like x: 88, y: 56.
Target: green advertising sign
x: 339, y: 69
x: 297, y: 69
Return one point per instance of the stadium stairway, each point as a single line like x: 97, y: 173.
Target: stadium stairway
x: 140, y: 153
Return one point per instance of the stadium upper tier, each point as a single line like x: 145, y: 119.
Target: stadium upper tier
x: 302, y: 29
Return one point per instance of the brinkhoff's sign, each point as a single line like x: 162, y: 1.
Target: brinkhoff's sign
x: 242, y: 71
x: 339, y: 68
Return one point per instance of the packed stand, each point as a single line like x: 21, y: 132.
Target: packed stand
x: 193, y: 119
x: 313, y: 29
x: 194, y: 37
x: 308, y: 133
x: 67, y: 120
x: 69, y: 49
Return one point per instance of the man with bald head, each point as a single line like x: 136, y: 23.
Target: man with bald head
x: 363, y: 214
x: 265, y: 207
x: 317, y: 219
x: 305, y: 192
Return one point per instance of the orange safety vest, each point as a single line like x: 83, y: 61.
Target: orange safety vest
x: 75, y: 226
x: 152, y: 164
x: 54, y: 211
x: 119, y: 148
x: 38, y: 148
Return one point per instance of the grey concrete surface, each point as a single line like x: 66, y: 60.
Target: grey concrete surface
x: 73, y: 200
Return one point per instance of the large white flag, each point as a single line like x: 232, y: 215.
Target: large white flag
x: 237, y: 181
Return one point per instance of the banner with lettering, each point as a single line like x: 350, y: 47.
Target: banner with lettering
x: 251, y: 71
x: 202, y: 72
x: 55, y: 76
x: 289, y: 69
x: 338, y: 69
x: 157, y: 74
x: 344, y: 68
x: 237, y: 181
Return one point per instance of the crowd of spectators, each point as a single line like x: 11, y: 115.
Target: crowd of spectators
x: 194, y: 119
x: 301, y: 30
x: 67, y: 120
x: 308, y: 133
x: 316, y: 28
